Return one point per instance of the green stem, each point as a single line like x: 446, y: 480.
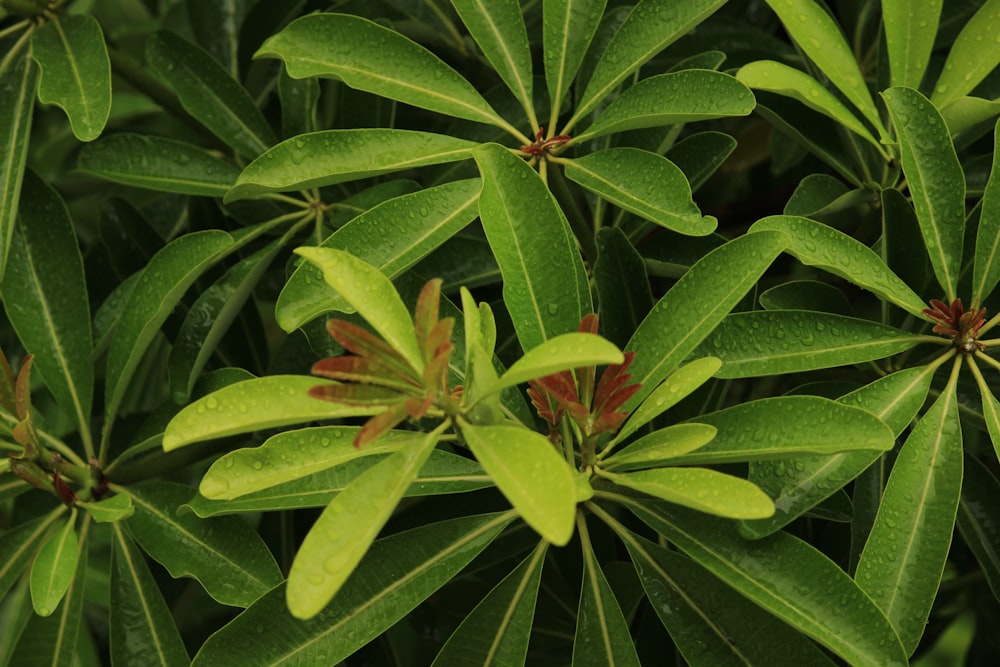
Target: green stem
x: 275, y: 196
x: 16, y: 49
x: 10, y: 30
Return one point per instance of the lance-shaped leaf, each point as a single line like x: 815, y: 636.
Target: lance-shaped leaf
x: 545, y: 286
x: 398, y: 573
x: 818, y: 35
x: 660, y: 446
x: 216, y: 27
x: 978, y: 512
x: 564, y: 352
x: 935, y: 179
x: 224, y: 554
x: 497, y: 630
x: 816, y: 244
x: 110, y: 510
x: 568, y: 27
x: 788, y: 425
x: 209, y: 93
x: 986, y: 267
x: 19, y: 79
x: 903, y: 560
x: 966, y: 112
x: 347, y: 527
x: 531, y: 475
x: 162, y: 284
x: 688, y: 313
x: 45, y: 296
x: 790, y: 82
x: 770, y: 342
x: 700, y: 489
x: 644, y: 183
x: 623, y: 293
x: 974, y: 54
x: 910, y: 29
x: 142, y: 629
x: 157, y: 163
x: 787, y: 577
x: 75, y: 71
x: 498, y: 28
x: 391, y: 236
x: 18, y: 547
x: 334, y: 156
x: 669, y: 99
x: 54, y: 567
x: 651, y: 26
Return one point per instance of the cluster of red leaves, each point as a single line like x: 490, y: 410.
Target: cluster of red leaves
x: 954, y: 320
x: 543, y: 146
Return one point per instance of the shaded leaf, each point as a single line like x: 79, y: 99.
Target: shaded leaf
x: 54, y: 567
x: 623, y: 292
x: 974, y: 54
x: 564, y: 352
x: 986, y: 267
x: 568, y: 26
x: 18, y: 547
x: 19, y: 79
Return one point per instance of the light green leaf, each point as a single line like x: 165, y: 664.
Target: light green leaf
x: 650, y: 27
x: 530, y: 474
x: 335, y: 156
x: 986, y: 266
x: 157, y: 163
x: 910, y: 29
x: 689, y: 312
x: 391, y: 236
x: 787, y: 577
x: 209, y: 93
x: 660, y: 447
x: 45, y: 297
x: 770, y: 342
x: 796, y: 84
x: 398, y: 573
x: 498, y: 28
x: 370, y: 57
x: 75, y: 71
x: 162, y: 284
x: 224, y: 554
x: 19, y: 79
x: 347, y: 527
x: 816, y: 244
x: 19, y: 545
x: 978, y: 513
x: 818, y: 35
x: 113, y: 509
x: 568, y: 27
x: 935, y: 179
x: 700, y: 489
x: 496, y: 632
x: 372, y: 295
x: 787, y: 426
x: 967, y: 112
x: 54, y: 567
x: 644, y: 183
x: 974, y: 54
x: 545, y: 286
x: 562, y: 353
x: 669, y: 99
x: 904, y: 558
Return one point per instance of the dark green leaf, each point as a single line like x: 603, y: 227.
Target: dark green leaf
x: 18, y: 547
x: 18, y: 79
x: 986, y: 271
x: 54, y: 567
x: 216, y: 26
x: 978, y: 511
x: 974, y: 54
x: 623, y: 292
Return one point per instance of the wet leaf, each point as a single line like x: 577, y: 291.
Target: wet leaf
x: 700, y: 489
x: 19, y: 78
x: 910, y: 30
x: 54, y: 567
x: 568, y: 27
x: 974, y: 54
x: 986, y: 268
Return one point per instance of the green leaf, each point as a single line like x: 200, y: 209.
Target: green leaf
x: 157, y: 163
x: 986, y: 266
x: 45, y: 297
x: 935, y: 179
x: 398, y: 573
x: 806, y: 295
x: 568, y: 27
x: 787, y: 577
x: 545, y: 287
x: 267, y: 402
x: 162, y: 284
x: 116, y: 508
x: 75, y: 71
x: 699, y: 155
x: 602, y: 634
x: 54, y: 567
x: 391, y: 236
x: 644, y: 183
x: 651, y: 26
x: 816, y: 244
x: 498, y: 629
x: 660, y: 447
x: 978, y: 510
x: 18, y: 547
x: 818, y: 35
x: 700, y: 489
x: 498, y: 28
x: 669, y: 99
x: 904, y: 558
x: 224, y: 554
x: 209, y: 93
x: 796, y: 84
x: 910, y: 29
x: 688, y: 313
x: 974, y: 54
x: 335, y: 156
x: 786, y: 426
x: 372, y: 295
x: 967, y: 112
x: 19, y: 79
x: 562, y: 353
x: 771, y: 342
x: 299, y: 101
x: 370, y: 57
x: 216, y: 26
x: 530, y: 474
x: 347, y: 527
x: 623, y: 292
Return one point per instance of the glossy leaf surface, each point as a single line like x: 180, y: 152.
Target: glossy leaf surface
x: 986, y: 268
x: 20, y: 79
x: 661, y: 446
x: 700, y: 489
x: 568, y: 26
x: 909, y: 37
x: 18, y: 547
x: 974, y: 54
x: 564, y: 352
x: 54, y: 567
